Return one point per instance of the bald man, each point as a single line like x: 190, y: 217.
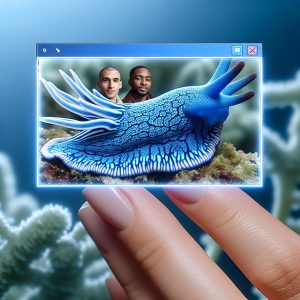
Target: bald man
x: 110, y: 83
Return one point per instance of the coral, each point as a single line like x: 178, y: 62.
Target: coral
x: 229, y: 166
x: 42, y: 257
x: 282, y: 156
x: 176, y: 131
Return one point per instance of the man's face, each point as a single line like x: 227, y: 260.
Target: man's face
x: 140, y: 81
x: 109, y: 84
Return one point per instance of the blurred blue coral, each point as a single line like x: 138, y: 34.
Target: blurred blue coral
x: 41, y: 255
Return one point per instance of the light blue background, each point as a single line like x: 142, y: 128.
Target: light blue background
x: 23, y: 23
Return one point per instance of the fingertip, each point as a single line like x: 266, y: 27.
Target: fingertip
x: 83, y: 211
x: 109, y: 282
x: 197, y: 194
x: 111, y: 205
x: 84, y: 206
x: 185, y: 195
x: 115, y: 289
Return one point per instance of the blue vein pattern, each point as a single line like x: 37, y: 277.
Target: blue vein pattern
x: 176, y: 131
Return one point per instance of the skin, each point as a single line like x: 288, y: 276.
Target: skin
x: 109, y: 84
x: 140, y: 81
x: 148, y: 250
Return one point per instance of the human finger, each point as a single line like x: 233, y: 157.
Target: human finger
x: 115, y: 289
x: 265, y: 250
x: 122, y: 264
x: 168, y: 256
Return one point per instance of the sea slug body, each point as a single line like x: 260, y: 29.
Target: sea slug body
x: 176, y: 131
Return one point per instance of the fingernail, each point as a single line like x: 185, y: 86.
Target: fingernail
x: 97, y: 228
x: 83, y: 206
x: 111, y: 205
x: 188, y: 195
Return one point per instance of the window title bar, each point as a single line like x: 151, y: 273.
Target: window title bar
x: 150, y: 50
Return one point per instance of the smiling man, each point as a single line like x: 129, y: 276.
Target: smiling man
x: 140, y: 82
x: 110, y: 83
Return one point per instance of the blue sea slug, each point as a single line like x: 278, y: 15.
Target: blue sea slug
x: 176, y: 131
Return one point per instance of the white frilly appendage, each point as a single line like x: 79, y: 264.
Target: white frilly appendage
x: 100, y: 112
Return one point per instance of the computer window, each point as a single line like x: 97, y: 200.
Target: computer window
x: 149, y: 114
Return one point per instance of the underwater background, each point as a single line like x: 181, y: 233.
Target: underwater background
x: 276, y: 24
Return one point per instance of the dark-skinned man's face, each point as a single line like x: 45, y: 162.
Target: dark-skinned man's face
x: 140, y: 81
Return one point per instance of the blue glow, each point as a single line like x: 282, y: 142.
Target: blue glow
x: 186, y: 48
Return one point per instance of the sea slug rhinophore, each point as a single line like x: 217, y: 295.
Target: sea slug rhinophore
x: 176, y: 131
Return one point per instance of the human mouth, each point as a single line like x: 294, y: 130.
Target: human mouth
x: 144, y: 90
